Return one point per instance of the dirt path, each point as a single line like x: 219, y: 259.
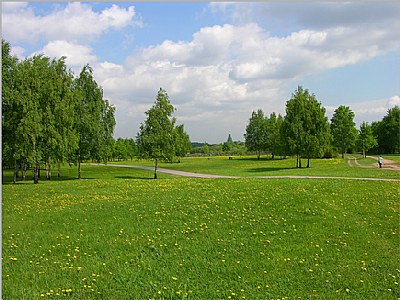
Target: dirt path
x: 352, y: 161
x: 200, y: 175
x: 387, y: 163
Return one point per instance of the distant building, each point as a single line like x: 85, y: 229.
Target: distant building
x: 229, y: 139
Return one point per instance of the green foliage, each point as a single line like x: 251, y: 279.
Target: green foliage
x: 206, y: 149
x: 48, y: 115
x: 94, y: 120
x: 343, y: 129
x: 182, y: 141
x: 158, y: 138
x: 256, y: 138
x: 387, y: 132
x: 227, y: 147
x: 156, y: 135
x: 305, y: 126
x: 37, y: 114
x: 124, y: 148
x: 11, y: 108
x: 366, y: 139
x: 274, y: 125
x: 120, y: 149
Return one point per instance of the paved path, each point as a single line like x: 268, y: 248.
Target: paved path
x: 200, y: 175
x: 171, y: 172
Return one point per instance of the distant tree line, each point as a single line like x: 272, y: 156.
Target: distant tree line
x: 305, y: 131
x: 49, y: 116
x: 124, y: 149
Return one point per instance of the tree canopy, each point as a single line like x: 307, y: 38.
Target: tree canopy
x: 387, y: 132
x: 49, y: 116
x: 305, y: 126
x: 366, y: 139
x: 158, y: 138
x: 256, y: 133
x: 343, y: 129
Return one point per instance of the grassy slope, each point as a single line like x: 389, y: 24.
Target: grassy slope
x: 117, y: 236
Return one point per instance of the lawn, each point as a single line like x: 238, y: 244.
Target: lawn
x: 251, y: 167
x: 119, y: 235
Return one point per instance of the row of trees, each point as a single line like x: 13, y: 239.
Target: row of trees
x: 124, y: 149
x: 50, y: 116
x: 306, y: 132
x: 225, y: 148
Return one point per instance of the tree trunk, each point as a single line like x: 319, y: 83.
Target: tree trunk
x: 155, y: 169
x: 48, y: 170
x: 308, y: 162
x: 24, y: 172
x: 79, y: 164
x: 36, y: 174
x: 59, y: 172
x: 15, y: 171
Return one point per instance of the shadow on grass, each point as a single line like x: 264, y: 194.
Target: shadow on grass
x: 41, y: 181
x: 260, y: 170
x: 261, y: 158
x: 132, y: 177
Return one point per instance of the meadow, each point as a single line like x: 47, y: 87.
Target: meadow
x: 117, y: 234
x: 248, y: 166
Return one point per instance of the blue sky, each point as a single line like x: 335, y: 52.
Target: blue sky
x: 219, y: 61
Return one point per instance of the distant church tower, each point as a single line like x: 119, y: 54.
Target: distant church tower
x: 229, y: 139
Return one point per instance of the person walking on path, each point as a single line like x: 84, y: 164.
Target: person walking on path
x: 380, y: 161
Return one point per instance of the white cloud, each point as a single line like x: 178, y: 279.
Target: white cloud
x: 117, y: 17
x: 368, y: 111
x: 18, y: 52
x: 76, y: 55
x: 393, y: 101
x: 223, y: 72
x: 76, y: 21
x: 8, y: 7
x: 227, y: 70
x: 291, y: 16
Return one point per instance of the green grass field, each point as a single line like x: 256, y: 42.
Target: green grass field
x: 251, y: 167
x: 119, y: 235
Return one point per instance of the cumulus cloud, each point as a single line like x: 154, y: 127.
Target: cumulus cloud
x: 75, y: 21
x: 393, y: 101
x: 76, y: 55
x: 290, y: 16
x: 225, y: 71
x: 9, y: 7
x: 368, y: 111
x: 18, y: 52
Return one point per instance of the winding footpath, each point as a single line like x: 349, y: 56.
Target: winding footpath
x: 200, y: 175
x: 388, y: 164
